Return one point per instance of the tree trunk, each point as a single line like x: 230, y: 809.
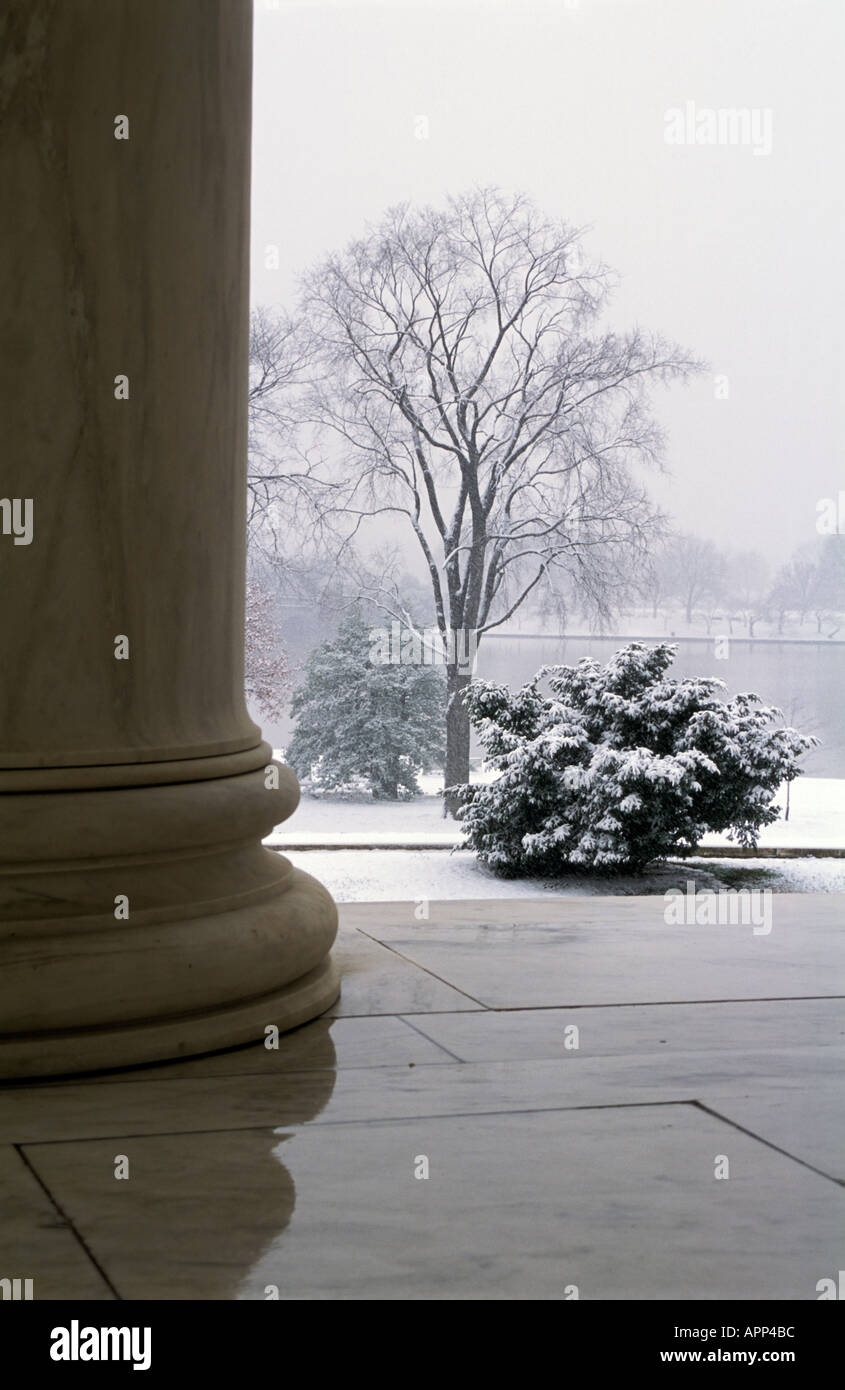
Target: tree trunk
x: 386, y: 791
x: 457, y: 736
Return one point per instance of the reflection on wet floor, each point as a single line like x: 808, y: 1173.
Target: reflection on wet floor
x: 568, y: 1140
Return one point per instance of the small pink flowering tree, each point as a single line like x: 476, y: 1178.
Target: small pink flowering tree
x: 266, y: 668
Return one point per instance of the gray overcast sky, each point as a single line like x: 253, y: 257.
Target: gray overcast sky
x: 735, y: 255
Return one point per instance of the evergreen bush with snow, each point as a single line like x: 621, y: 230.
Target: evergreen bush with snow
x: 620, y: 765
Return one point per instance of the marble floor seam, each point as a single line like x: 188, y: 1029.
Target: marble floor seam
x: 761, y: 1139
x: 642, y: 1003
x: 26, y: 1146
x: 422, y: 1033
x: 424, y: 968
x: 93, y: 1078
x: 66, y: 1220
x: 298, y: 1125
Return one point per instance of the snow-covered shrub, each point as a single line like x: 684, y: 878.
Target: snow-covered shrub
x: 620, y: 765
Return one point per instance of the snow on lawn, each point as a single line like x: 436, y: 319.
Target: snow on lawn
x: 781, y: 875
x: 395, y: 875
x: 816, y: 819
x: 816, y: 816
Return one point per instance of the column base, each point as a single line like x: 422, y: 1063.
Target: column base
x: 100, y: 1049
x: 147, y: 922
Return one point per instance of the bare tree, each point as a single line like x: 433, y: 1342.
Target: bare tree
x: 795, y: 714
x: 813, y: 581
x: 660, y: 578
x: 781, y: 595
x: 829, y: 583
x: 279, y: 359
x: 293, y: 548
x: 697, y: 572
x: 798, y: 579
x: 747, y: 587
x: 467, y: 388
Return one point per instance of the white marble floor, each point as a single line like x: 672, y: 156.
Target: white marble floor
x: 602, y: 1104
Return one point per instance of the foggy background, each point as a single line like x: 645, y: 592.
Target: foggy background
x: 734, y: 255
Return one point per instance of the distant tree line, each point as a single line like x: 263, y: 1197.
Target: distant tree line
x: 710, y: 583
x: 692, y: 579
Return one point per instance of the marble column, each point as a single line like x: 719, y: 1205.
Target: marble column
x: 140, y: 916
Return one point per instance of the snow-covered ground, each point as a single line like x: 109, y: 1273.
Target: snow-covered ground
x: 382, y: 874
x: 781, y: 875
x: 816, y: 816
x: 816, y: 820
x: 399, y: 875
